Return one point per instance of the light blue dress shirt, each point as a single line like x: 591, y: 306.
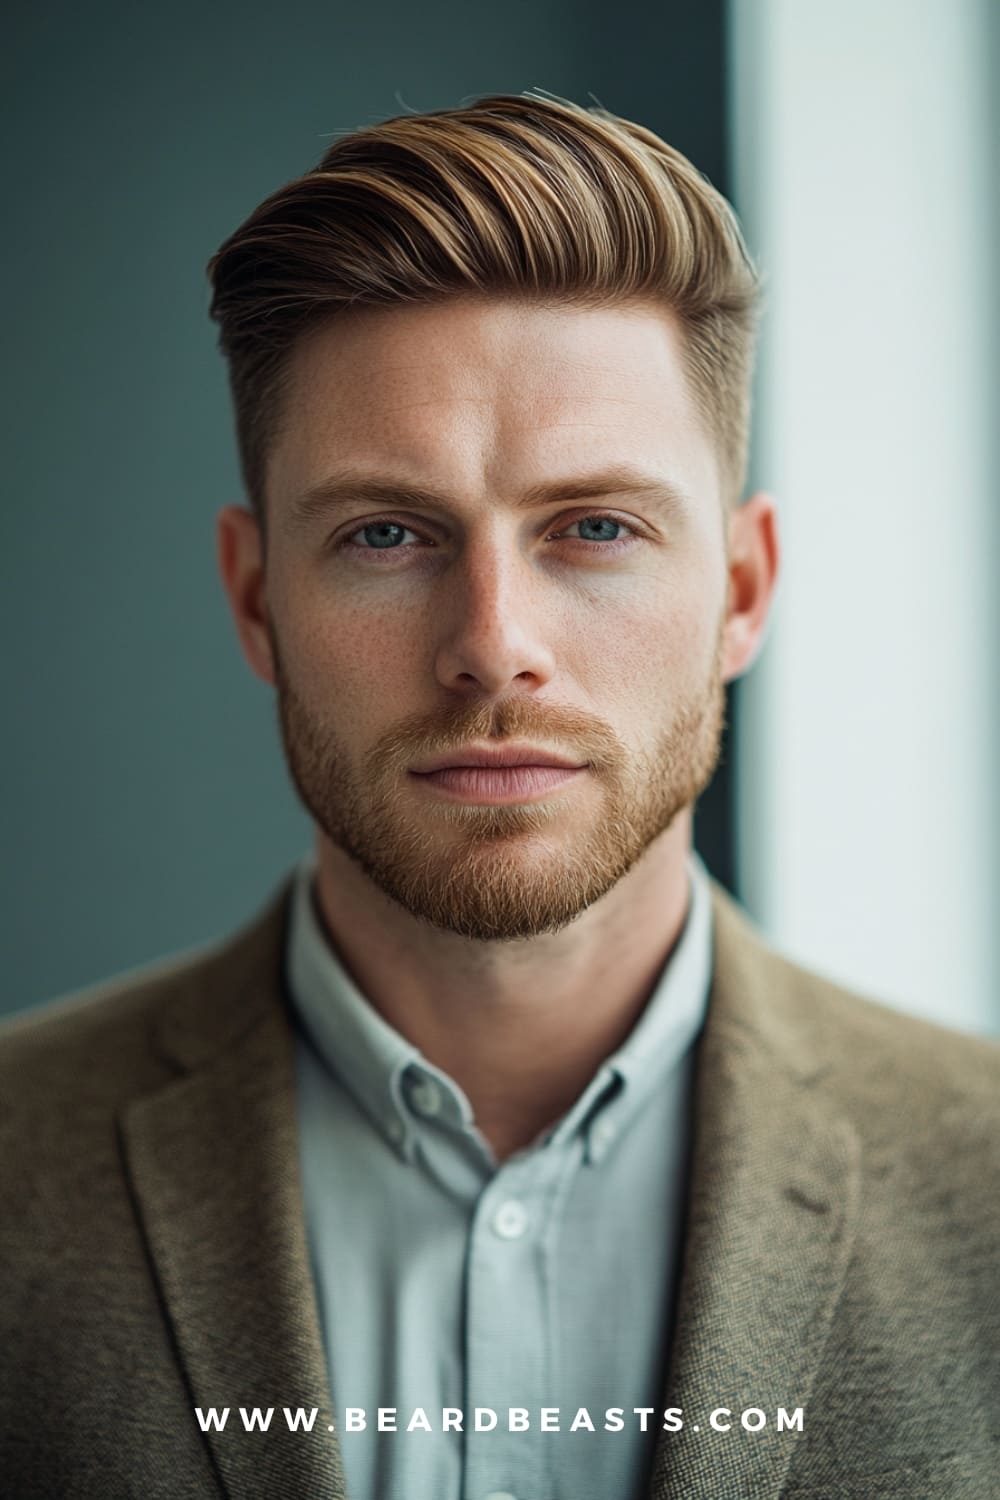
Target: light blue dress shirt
x: 445, y: 1280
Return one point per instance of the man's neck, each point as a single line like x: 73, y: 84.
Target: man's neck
x: 522, y: 1026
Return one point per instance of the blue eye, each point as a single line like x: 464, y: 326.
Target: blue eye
x: 383, y: 535
x: 386, y: 535
x: 599, y: 521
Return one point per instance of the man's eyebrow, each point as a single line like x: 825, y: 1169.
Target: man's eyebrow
x: 346, y: 487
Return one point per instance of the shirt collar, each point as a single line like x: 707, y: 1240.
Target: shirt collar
x: 663, y: 1035
x: 394, y: 1083
x: 365, y: 1053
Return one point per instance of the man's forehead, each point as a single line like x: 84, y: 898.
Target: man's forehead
x: 477, y: 350
x: 455, y: 397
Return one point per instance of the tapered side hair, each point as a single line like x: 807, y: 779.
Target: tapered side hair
x: 523, y: 195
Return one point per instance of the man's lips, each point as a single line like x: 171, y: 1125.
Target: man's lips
x: 491, y: 783
x: 499, y: 757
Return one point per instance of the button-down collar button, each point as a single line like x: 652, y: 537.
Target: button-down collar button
x: 602, y: 1134
x: 510, y: 1220
x: 425, y: 1097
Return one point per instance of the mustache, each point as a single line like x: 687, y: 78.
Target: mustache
x: 577, y: 735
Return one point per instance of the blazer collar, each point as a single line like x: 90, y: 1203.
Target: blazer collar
x: 771, y: 1217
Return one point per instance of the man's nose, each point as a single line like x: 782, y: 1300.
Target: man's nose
x: 493, y: 628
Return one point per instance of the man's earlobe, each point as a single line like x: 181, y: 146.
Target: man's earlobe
x: 240, y: 555
x: 754, y: 557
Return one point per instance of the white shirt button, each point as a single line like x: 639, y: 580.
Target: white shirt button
x: 394, y: 1130
x: 499, y: 1495
x: 425, y: 1097
x: 510, y: 1221
x: 602, y: 1134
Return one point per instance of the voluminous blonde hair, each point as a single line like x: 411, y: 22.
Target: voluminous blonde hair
x: 515, y: 194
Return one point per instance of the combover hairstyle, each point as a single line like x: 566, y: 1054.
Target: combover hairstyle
x: 520, y: 195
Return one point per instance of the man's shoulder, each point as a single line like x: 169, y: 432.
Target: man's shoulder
x: 104, y: 1042
x: 871, y: 1034
x: 113, y: 1018
x: 883, y: 1064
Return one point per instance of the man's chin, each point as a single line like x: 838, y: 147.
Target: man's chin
x: 498, y: 888
x: 486, y: 923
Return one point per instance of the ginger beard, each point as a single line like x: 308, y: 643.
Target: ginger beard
x: 499, y: 873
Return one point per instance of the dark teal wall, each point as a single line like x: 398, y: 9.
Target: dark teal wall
x: 146, y: 803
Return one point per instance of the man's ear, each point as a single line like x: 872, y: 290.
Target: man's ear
x: 240, y: 553
x: 754, y: 556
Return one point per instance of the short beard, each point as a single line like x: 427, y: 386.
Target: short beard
x: 499, y: 873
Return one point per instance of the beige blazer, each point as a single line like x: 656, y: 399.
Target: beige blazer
x: 841, y: 1246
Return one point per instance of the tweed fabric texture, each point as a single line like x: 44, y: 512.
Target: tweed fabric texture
x: 841, y: 1245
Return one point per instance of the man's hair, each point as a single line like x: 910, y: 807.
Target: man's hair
x: 514, y: 195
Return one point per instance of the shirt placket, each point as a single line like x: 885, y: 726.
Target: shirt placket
x: 510, y: 1323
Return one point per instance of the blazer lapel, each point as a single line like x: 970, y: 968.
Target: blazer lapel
x: 213, y: 1162
x: 212, y: 1159
x: 771, y: 1217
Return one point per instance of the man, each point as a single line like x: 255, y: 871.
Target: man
x: 499, y: 1156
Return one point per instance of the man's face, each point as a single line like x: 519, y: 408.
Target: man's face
x: 588, y: 623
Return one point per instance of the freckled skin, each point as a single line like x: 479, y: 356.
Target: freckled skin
x: 434, y: 643
x: 477, y: 620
